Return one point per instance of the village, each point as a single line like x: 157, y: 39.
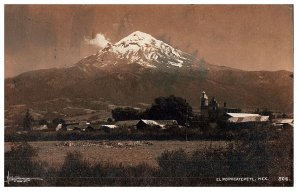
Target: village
x: 211, y: 115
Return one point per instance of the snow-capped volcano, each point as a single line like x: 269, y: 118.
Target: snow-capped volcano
x: 140, y: 68
x: 139, y: 48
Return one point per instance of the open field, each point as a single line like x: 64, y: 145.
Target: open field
x: 129, y: 153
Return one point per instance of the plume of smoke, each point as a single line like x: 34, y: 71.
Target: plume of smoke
x: 99, y: 41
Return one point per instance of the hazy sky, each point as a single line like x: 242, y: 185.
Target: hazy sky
x: 249, y: 37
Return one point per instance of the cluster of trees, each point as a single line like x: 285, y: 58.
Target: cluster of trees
x: 167, y: 108
x: 163, y: 108
x: 128, y: 113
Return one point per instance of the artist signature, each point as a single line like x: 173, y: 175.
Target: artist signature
x: 19, y: 179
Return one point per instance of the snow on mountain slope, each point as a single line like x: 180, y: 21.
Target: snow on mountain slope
x: 139, y: 48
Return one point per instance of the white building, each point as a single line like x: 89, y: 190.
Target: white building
x: 245, y: 117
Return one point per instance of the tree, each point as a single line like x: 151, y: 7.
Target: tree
x: 57, y: 121
x: 265, y: 112
x: 43, y: 122
x: 128, y: 113
x: 169, y: 108
x: 27, y: 121
x: 109, y: 120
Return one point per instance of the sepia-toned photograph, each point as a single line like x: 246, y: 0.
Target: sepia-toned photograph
x: 148, y: 95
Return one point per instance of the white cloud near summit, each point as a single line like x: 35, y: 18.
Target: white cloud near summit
x: 99, y: 41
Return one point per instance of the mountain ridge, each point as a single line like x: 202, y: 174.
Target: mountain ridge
x: 128, y: 82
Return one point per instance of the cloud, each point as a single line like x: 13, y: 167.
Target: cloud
x: 99, y: 41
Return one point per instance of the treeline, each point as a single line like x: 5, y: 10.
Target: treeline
x: 204, y: 133
x: 163, y: 108
x: 253, y: 156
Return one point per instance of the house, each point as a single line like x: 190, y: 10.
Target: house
x: 108, y: 127
x: 59, y: 127
x: 39, y: 127
x: 167, y: 123
x: 146, y: 124
x: 160, y: 124
x: 283, y: 122
x: 245, y: 117
x: 127, y: 124
x: 81, y: 126
x: 70, y: 128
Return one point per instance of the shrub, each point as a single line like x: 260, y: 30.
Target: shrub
x: 173, y: 163
x: 74, y: 170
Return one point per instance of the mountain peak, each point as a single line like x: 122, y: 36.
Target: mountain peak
x: 142, y: 49
x: 140, y: 34
x: 137, y: 37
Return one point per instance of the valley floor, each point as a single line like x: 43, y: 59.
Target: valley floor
x: 129, y: 153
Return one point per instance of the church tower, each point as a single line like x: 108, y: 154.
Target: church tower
x: 204, y: 102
